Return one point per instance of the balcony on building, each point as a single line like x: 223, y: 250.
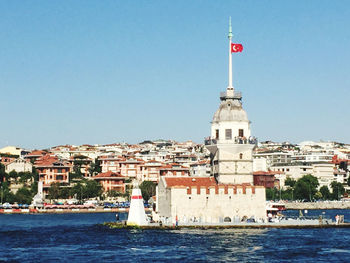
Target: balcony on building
x: 235, y: 140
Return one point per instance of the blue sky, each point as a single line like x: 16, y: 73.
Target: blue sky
x: 74, y: 72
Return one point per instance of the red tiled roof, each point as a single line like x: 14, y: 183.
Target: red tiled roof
x: 196, y: 181
x: 36, y: 153
x: 174, y: 166
x: 46, y: 160
x: 50, y: 160
x: 201, y: 162
x: 190, y: 181
x: 266, y: 173
x: 108, y: 174
x: 153, y: 161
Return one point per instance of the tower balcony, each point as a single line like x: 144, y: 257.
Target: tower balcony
x: 226, y: 95
x: 235, y: 140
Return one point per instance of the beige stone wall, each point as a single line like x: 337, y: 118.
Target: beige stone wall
x: 163, y: 199
x: 234, y: 164
x: 212, y: 207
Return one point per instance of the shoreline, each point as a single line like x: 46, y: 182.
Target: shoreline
x: 119, y: 225
x: 65, y: 211
x: 318, y: 205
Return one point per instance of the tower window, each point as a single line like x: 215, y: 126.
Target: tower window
x: 228, y: 134
x: 217, y: 134
x: 240, y: 132
x: 241, y: 156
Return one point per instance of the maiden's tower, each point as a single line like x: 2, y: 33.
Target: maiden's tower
x: 228, y: 195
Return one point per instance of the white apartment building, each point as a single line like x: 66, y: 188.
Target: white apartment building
x: 201, y: 168
x: 324, y: 172
x: 273, y: 158
x: 19, y: 165
x: 312, y: 157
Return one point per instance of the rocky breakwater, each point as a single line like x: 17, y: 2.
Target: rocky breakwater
x: 318, y: 205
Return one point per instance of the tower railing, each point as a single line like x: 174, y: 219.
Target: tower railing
x: 235, y: 140
x: 236, y: 95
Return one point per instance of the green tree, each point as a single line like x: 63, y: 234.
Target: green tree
x: 6, y: 194
x: 76, y: 174
x: 114, y: 193
x: 326, y: 194
x: 306, y: 187
x: 92, y: 189
x: 287, y: 194
x: 64, y: 192
x: 35, y: 174
x: 77, y: 191
x: 24, y: 177
x: 34, y: 188
x: 337, y: 190
x: 54, y: 191
x: 95, y: 167
x: 290, y: 182
x: 3, y: 174
x: 148, y: 189
x: 272, y: 193
x: 318, y: 195
x: 13, y: 174
x: 9, y: 197
x: 23, y: 196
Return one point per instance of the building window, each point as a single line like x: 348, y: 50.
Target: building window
x: 59, y: 177
x: 241, y: 156
x: 228, y: 134
x: 240, y: 132
x: 59, y: 170
x: 217, y: 134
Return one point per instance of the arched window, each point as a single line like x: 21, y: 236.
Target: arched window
x: 241, y: 156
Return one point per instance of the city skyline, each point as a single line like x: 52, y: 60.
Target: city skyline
x: 83, y: 72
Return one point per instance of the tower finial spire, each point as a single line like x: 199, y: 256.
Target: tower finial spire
x: 230, y: 87
x: 230, y: 29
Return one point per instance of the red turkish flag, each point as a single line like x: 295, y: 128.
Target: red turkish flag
x: 236, y: 47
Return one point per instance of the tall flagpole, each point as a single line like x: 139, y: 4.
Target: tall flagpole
x: 230, y: 57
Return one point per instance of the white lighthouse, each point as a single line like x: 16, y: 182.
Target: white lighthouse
x: 231, y: 143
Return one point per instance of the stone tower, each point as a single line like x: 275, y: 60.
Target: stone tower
x: 231, y: 144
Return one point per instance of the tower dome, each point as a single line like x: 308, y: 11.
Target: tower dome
x: 230, y: 110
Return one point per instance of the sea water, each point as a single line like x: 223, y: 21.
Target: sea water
x: 82, y: 238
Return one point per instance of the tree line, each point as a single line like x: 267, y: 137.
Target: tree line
x: 306, y: 188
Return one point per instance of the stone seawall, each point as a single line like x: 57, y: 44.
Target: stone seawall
x: 319, y: 205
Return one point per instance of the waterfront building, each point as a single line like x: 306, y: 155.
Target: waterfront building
x: 293, y: 171
x: 111, y: 181
x: 228, y: 194
x: 52, y: 170
x: 325, y: 172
